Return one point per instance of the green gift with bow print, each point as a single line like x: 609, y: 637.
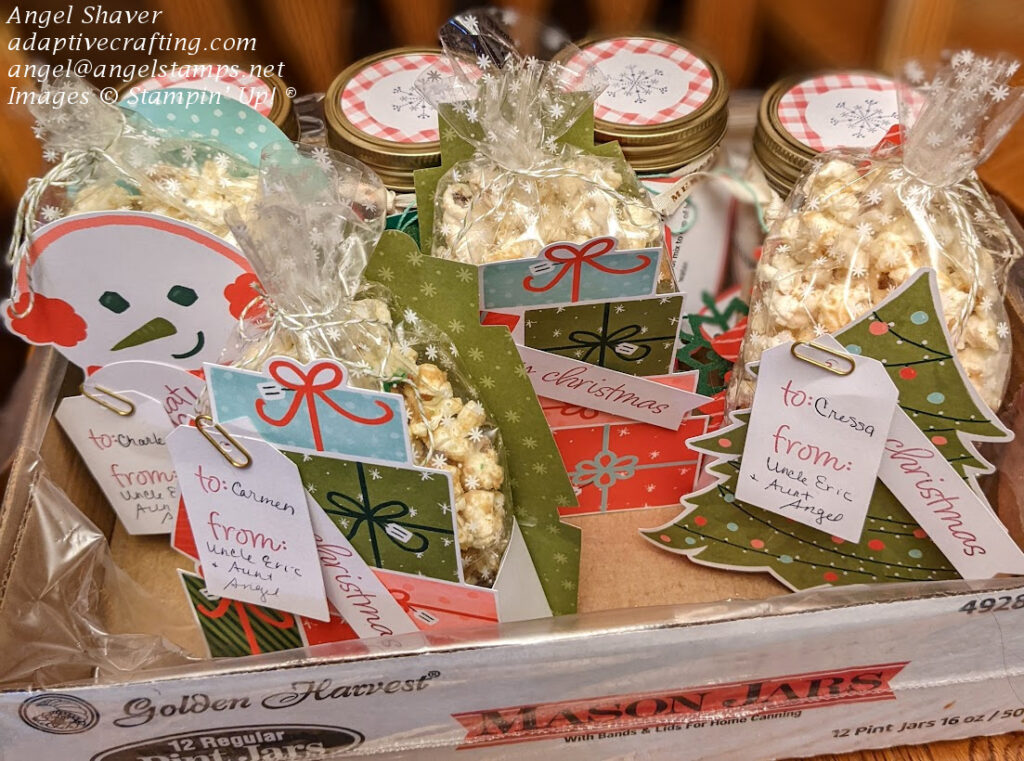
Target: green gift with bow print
x: 637, y: 336
x: 398, y: 518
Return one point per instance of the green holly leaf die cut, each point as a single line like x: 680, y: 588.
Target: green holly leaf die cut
x: 446, y: 294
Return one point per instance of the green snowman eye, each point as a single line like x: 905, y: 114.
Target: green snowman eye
x: 179, y: 294
x: 114, y: 301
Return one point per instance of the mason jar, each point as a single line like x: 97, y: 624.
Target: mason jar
x: 666, y: 105
x: 798, y: 118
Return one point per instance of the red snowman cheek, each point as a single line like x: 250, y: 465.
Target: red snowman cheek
x: 48, y: 321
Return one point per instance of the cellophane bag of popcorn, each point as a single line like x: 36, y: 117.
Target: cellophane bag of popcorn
x: 109, y: 158
x: 524, y: 186
x: 859, y: 224
x: 308, y: 235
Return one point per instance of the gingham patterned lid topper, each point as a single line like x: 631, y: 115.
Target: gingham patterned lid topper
x: 841, y: 110
x: 650, y: 81
x: 382, y: 101
x: 230, y: 81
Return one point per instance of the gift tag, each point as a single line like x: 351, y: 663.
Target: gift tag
x: 353, y: 589
x: 818, y: 428
x: 248, y: 513
x: 173, y: 387
x: 125, y: 450
x: 960, y: 523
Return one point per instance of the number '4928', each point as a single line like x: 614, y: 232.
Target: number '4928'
x: 991, y: 604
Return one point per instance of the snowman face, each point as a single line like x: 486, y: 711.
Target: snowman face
x: 145, y: 287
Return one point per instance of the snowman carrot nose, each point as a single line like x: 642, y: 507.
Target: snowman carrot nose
x: 156, y: 328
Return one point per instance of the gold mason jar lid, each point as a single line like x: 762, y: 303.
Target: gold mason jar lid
x: 666, y: 104
x: 266, y: 92
x: 375, y: 113
x: 799, y: 117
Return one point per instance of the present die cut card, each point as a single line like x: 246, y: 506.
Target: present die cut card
x: 564, y: 273
x: 310, y: 407
x: 107, y: 287
x: 718, y: 529
x: 633, y: 336
x: 397, y: 518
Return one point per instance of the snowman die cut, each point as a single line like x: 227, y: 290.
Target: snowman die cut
x: 117, y: 286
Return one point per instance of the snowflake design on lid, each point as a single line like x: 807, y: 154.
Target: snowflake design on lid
x: 863, y: 118
x: 409, y: 99
x: 637, y: 84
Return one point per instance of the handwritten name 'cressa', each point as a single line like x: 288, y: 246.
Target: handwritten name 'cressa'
x: 911, y: 461
x: 794, y: 397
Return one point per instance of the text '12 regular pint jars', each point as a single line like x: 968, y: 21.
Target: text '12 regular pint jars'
x: 666, y: 105
x: 264, y: 92
x: 799, y: 118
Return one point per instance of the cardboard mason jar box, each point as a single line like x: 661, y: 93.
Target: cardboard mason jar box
x: 667, y: 658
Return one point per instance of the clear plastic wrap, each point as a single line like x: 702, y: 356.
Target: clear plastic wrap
x: 308, y: 236
x: 858, y: 225
x: 109, y: 158
x: 524, y: 186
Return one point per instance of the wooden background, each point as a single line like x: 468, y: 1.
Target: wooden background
x: 756, y: 41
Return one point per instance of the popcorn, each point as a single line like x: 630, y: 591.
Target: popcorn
x: 490, y: 216
x: 448, y: 425
x: 852, y: 239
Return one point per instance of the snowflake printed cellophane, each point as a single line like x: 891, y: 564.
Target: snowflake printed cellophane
x: 860, y: 224
x: 524, y: 188
x: 308, y: 235
x: 131, y: 163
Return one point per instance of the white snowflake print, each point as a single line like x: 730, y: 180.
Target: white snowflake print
x: 431, y: 352
x: 476, y: 354
x: 873, y: 197
x: 476, y: 435
x: 963, y: 58
x: 999, y: 93
x: 50, y: 155
x: 858, y: 271
x: 472, y: 114
x: 453, y: 350
x: 619, y: 309
x: 483, y: 62
x: 465, y: 275
x: 151, y: 141
x: 439, y: 461
x: 865, y: 230
x: 557, y: 110
x: 819, y: 329
x: 487, y: 381
x: 221, y: 160
x: 188, y: 153
x: 471, y: 483
x: 530, y: 443
x: 1003, y: 330
x: 957, y: 120
x: 50, y: 213
x: 556, y: 333
x: 624, y: 432
x: 413, y: 512
x: 821, y: 261
x: 560, y: 558
x: 171, y: 186
x: 933, y: 139
x: 410, y: 316
x: 411, y: 100
x: 426, y: 476
x: 650, y: 488
x: 311, y: 488
x: 637, y: 84
x: 333, y: 333
x: 913, y: 72
x: 864, y: 118
x: 307, y: 458
x: 540, y: 468
x: 429, y: 290
x: 456, y: 326
x: 654, y: 454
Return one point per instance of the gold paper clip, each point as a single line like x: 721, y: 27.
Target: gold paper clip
x: 204, y: 423
x: 126, y: 411
x: 827, y: 364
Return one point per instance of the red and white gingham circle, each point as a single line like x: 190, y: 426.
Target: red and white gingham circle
x: 793, y: 105
x: 683, y: 70
x: 230, y: 81
x: 371, y: 82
